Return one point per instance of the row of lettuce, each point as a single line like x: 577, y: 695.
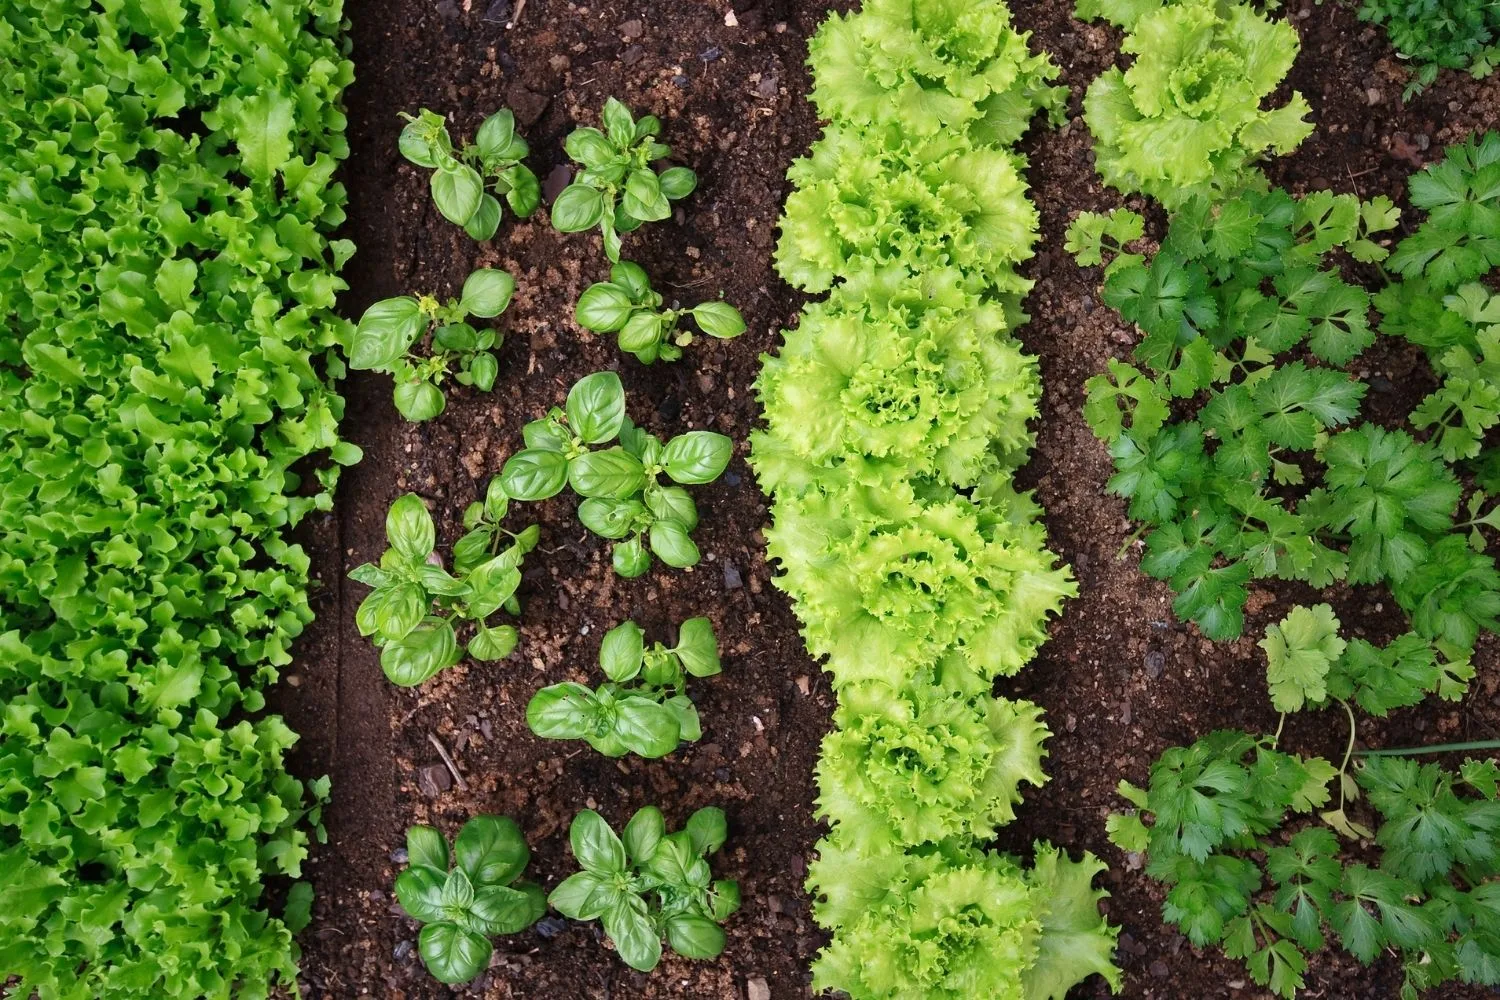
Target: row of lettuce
x: 896, y: 413
x: 1240, y: 440
x: 167, y: 288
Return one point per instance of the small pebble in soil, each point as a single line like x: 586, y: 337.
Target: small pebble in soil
x: 399, y: 856
x: 680, y: 82
x: 632, y: 55
x: 711, y: 54
x: 731, y: 479
x: 1159, y: 969
x: 433, y: 780
x: 550, y: 927
x: 402, y: 951
x: 758, y: 989
x: 498, y: 12
x: 560, y: 177
x: 631, y: 30
x: 1155, y: 661
x: 732, y: 578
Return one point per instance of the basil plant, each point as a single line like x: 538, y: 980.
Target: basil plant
x: 463, y: 907
x: 618, y: 190
x: 624, y: 498
x: 646, y: 884
x: 644, y: 708
x: 627, y: 305
x: 416, y: 606
x: 460, y: 179
x: 387, y: 334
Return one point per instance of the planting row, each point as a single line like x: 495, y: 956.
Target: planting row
x: 167, y: 290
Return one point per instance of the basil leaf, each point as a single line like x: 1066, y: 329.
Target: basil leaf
x: 673, y: 503
x: 491, y: 644
x: 595, y: 845
x: 698, y: 648
x: 589, y: 147
x: 483, y: 370
x: 385, y: 332
x: 643, y: 198
x: 456, y: 337
x: 546, y: 435
x: 409, y: 528
x: 646, y: 728
x: 610, y: 518
x: 678, y: 182
x: 697, y: 457
x: 415, y: 147
x: 419, y: 401
x: 708, y: 829
x: 533, y: 474
x: 670, y: 542
x: 641, y: 332
x: 565, y: 711
x: 622, y: 651
x: 457, y: 190
x: 452, y: 954
x: 643, y: 833
x: 491, y: 850
x: 496, y: 500
x: 525, y: 194
x: 485, y: 221
x: 596, y: 407
x: 619, y: 123
x: 577, y: 208
x: 630, y: 559
x: 505, y: 910
x: 494, y: 137
x: 695, y: 937
x: 573, y: 896
x: 719, y: 319
x: 724, y: 899
x: 632, y: 277
x: 419, y: 890
x: 492, y: 583
x: 634, y: 936
x: 689, y: 726
x: 458, y: 891
x: 421, y: 654
x: 611, y: 473
x: 426, y: 847
x: 487, y: 292
x: 603, y: 308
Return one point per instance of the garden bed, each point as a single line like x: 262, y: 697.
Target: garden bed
x: 1120, y: 680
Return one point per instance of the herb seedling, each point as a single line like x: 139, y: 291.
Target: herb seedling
x: 464, y: 907
x: 618, y: 190
x: 416, y: 603
x: 648, y: 718
x: 623, y: 498
x: 459, y: 179
x: 648, y: 883
x: 627, y: 305
x: 390, y: 329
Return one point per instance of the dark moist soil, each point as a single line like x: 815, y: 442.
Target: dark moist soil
x: 1121, y: 680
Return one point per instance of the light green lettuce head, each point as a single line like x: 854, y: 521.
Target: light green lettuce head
x: 1185, y: 119
x: 909, y: 387
x: 931, y: 65
x: 917, y: 764
x: 887, y: 583
x: 868, y: 198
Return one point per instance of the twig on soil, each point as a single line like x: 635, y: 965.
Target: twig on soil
x: 520, y: 6
x: 458, y: 779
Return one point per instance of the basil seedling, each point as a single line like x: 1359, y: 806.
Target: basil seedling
x: 624, y: 499
x: 459, y: 179
x: 649, y: 717
x: 627, y: 305
x: 389, y: 330
x: 464, y: 907
x: 415, y: 604
x: 618, y: 190
x: 649, y: 883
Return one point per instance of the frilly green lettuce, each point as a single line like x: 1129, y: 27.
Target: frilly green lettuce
x: 1186, y: 119
x: 930, y: 66
x: 918, y: 765
x: 886, y: 582
x: 878, y: 196
x: 890, y: 391
x: 952, y: 922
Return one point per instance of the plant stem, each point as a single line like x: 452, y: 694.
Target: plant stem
x: 1439, y: 748
x: 1348, y: 752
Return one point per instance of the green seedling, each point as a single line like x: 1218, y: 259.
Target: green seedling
x: 627, y: 305
x: 460, y: 179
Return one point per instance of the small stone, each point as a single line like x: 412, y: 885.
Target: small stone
x: 757, y: 989
x: 680, y: 82
x: 498, y: 12
x: 433, y: 780
x: 632, y: 30
x: 1159, y: 969
x: 550, y: 927
x: 632, y: 55
x: 447, y: 10
x: 560, y: 177
x: 732, y: 578
x: 399, y: 856
x: 804, y: 684
x: 402, y: 951
x: 1373, y: 96
x: 711, y: 54
x: 767, y: 86
x: 1156, y: 660
x: 293, y: 680
x: 731, y: 479
x: 730, y: 21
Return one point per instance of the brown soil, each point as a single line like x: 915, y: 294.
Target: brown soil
x: 1121, y: 679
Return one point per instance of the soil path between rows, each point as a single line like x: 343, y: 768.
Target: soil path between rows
x: 1121, y: 680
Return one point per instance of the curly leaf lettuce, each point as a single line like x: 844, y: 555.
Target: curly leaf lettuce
x: 1186, y: 118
